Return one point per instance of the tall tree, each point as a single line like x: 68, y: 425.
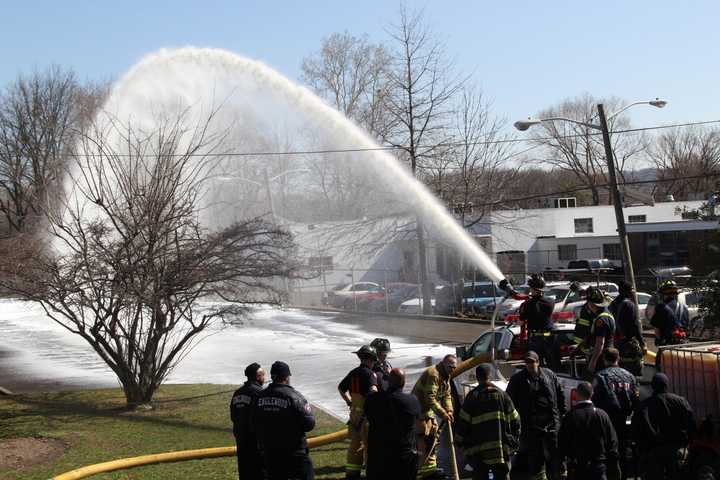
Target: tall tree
x: 687, y: 152
x: 128, y: 261
x: 36, y: 128
x: 350, y: 73
x: 579, y: 149
x: 418, y: 101
x: 477, y: 166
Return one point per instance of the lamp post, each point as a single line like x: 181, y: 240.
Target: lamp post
x: 523, y: 125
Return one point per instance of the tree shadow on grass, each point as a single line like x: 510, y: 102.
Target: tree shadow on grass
x: 66, y: 411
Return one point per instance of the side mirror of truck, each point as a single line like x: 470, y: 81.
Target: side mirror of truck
x: 461, y: 351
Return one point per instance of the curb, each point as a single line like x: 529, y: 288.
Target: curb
x: 436, y: 318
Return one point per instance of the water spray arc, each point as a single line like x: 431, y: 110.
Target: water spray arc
x: 256, y: 100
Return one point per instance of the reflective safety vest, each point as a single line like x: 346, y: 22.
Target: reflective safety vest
x: 583, y: 325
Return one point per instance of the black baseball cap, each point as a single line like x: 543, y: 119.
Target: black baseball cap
x: 531, y: 355
x: 280, y: 368
x: 252, y: 369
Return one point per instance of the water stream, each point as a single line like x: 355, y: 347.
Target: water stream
x: 260, y: 110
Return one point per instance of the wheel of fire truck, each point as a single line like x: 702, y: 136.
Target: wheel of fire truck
x: 705, y: 465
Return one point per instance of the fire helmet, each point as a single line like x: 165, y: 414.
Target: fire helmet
x: 536, y: 281
x: 597, y: 297
x: 366, y: 351
x: 668, y: 287
x: 381, y: 345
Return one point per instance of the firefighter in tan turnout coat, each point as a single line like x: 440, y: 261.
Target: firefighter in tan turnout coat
x: 433, y: 391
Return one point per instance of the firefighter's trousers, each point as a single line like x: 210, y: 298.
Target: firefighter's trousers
x: 427, y: 446
x: 357, y: 450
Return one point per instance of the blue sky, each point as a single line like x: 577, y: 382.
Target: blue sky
x: 526, y: 55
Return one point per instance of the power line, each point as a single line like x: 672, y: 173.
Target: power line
x: 389, y: 148
x: 600, y: 185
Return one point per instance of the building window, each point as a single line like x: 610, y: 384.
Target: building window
x: 570, y: 202
x: 583, y: 225
x: 611, y: 251
x: 321, y: 263
x: 637, y: 218
x: 567, y: 252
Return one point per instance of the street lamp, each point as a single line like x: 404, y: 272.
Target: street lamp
x: 523, y: 125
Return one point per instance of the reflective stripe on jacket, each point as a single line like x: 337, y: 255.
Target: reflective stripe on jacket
x: 488, y: 427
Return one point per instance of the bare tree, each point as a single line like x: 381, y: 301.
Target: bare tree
x: 418, y: 101
x: 579, y: 149
x: 36, y: 120
x: 351, y: 72
x: 129, y: 262
x: 477, y: 167
x: 688, y: 152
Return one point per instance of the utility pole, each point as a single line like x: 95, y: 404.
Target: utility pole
x: 617, y: 200
x: 274, y: 219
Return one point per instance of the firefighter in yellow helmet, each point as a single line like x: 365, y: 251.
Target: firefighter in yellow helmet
x: 433, y: 391
x: 354, y: 389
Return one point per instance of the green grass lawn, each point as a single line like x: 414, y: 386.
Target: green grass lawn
x: 94, y: 427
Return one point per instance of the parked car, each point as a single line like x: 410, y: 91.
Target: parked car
x: 414, y: 306
x: 475, y: 295
x: 395, y: 295
x: 345, y: 296
x: 478, y: 295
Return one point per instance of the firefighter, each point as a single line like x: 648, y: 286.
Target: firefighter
x: 382, y: 367
x: 628, y: 330
x: 250, y: 465
x: 536, y: 317
x: 282, y: 417
x: 433, y: 391
x: 488, y: 428
x: 662, y: 426
x: 588, y: 440
x: 354, y: 389
x: 538, y: 398
x: 616, y: 392
x: 602, y: 331
x: 391, y: 418
x: 669, y: 316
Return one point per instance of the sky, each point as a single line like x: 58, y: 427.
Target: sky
x: 525, y: 55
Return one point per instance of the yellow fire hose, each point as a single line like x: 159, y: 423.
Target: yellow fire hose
x: 185, y: 455
x: 179, y: 456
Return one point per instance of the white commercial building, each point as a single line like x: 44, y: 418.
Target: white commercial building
x: 551, y: 237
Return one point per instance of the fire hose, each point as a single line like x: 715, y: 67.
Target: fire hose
x: 185, y: 455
